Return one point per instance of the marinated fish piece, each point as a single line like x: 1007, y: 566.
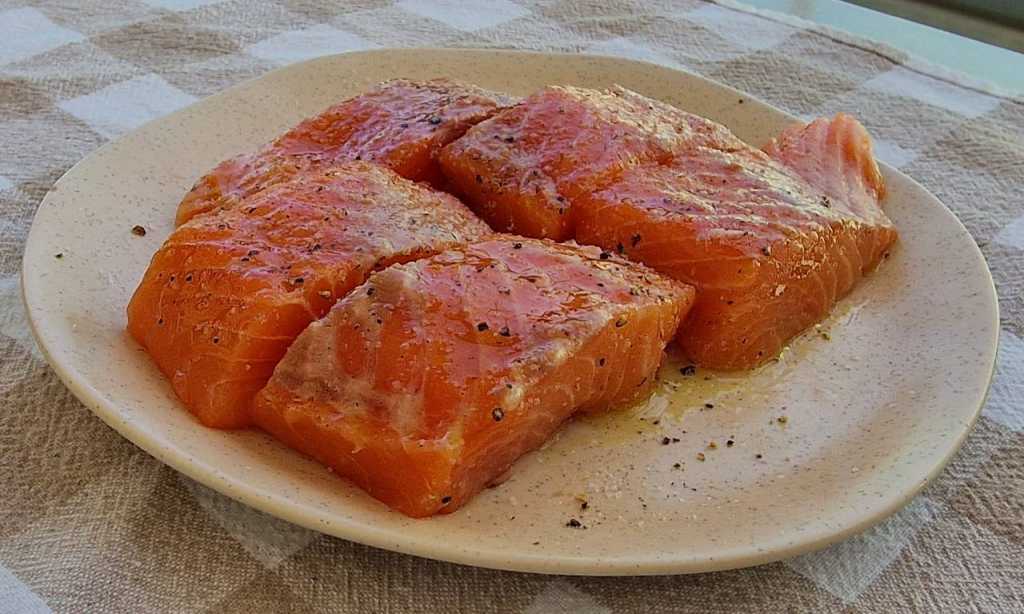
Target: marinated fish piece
x: 523, y: 169
x: 428, y: 381
x: 770, y: 241
x: 835, y: 157
x: 228, y: 292
x: 401, y: 124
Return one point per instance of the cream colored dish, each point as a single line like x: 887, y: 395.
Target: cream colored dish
x: 713, y: 472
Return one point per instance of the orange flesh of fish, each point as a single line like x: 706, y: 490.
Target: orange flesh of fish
x: 228, y: 292
x: 428, y: 381
x: 400, y: 124
x: 771, y: 240
x: 523, y: 169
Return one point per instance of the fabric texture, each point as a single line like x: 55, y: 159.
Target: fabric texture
x: 93, y: 524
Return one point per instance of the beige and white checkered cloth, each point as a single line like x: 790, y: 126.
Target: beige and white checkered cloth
x: 89, y: 523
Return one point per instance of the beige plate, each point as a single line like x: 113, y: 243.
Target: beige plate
x: 873, y: 413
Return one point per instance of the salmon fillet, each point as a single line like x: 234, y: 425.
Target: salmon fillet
x: 835, y: 157
x: 523, y: 169
x: 401, y: 124
x: 771, y: 241
x: 227, y: 293
x: 428, y: 381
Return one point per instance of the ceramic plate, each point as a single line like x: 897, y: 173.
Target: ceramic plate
x: 872, y: 404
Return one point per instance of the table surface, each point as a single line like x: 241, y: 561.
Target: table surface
x: 1002, y: 67
x: 91, y: 523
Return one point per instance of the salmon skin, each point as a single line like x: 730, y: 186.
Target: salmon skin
x: 523, y: 169
x: 771, y: 240
x: 401, y: 124
x: 227, y: 293
x: 428, y: 381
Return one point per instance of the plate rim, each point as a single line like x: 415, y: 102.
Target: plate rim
x: 544, y: 563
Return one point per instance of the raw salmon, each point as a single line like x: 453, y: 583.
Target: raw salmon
x: 428, y: 381
x: 771, y: 241
x: 523, y: 169
x: 229, y: 291
x: 400, y: 124
x: 835, y: 157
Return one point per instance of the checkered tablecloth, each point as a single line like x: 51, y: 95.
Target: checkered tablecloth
x: 89, y: 523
